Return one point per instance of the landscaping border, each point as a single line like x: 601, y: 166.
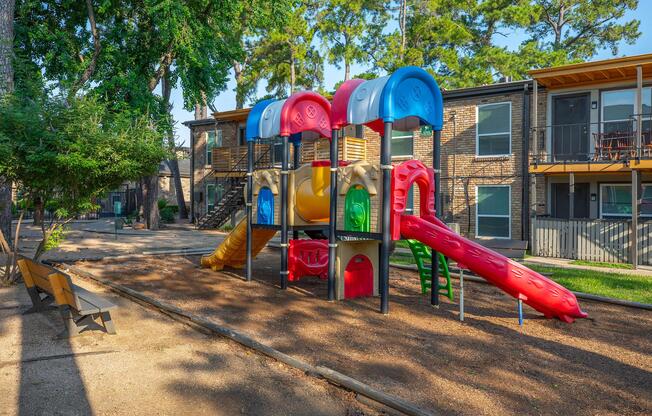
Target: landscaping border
x: 334, y: 377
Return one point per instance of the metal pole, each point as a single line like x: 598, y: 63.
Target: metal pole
x: 296, y: 160
x: 386, y: 167
x: 633, y: 232
x: 332, y: 224
x: 639, y: 110
x: 436, y: 165
x: 284, y: 213
x: 461, y: 295
x: 249, y: 204
x: 571, y: 195
x: 520, y: 312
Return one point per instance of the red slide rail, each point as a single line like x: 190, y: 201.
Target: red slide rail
x: 541, y: 293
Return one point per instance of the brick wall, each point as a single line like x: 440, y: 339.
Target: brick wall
x: 461, y: 170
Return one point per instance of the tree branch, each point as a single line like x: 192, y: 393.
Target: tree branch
x: 164, y: 64
x: 97, y: 48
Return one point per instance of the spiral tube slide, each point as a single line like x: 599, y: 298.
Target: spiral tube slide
x: 541, y: 293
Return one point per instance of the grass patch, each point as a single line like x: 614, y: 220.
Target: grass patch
x: 602, y: 264
x: 634, y: 288
x: 400, y: 258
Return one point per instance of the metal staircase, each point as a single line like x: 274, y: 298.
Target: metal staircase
x: 233, y: 199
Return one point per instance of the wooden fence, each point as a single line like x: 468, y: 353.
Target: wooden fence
x: 591, y: 240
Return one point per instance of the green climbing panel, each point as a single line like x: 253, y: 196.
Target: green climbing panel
x: 356, y: 209
x: 423, y: 256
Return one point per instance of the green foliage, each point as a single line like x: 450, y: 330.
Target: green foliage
x: 167, y: 215
x: 162, y: 203
x: 286, y: 58
x: 342, y: 24
x: 56, y: 237
x: 69, y: 153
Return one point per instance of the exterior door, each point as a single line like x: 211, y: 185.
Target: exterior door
x: 560, y: 206
x: 570, y: 127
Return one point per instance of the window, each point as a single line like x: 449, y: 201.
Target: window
x: 409, y: 207
x: 493, y: 211
x: 494, y: 129
x: 619, y: 107
x: 214, y: 139
x: 616, y: 200
x: 242, y: 135
x: 402, y: 142
x: 210, y: 196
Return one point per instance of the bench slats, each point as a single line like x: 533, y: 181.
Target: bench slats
x: 90, y: 301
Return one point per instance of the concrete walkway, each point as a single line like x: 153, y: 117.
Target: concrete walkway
x: 154, y: 365
x: 565, y: 263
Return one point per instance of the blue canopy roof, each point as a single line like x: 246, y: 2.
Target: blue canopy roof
x: 253, y: 120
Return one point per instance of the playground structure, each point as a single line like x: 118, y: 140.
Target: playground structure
x: 370, y: 197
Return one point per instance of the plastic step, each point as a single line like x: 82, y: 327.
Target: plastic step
x: 423, y: 258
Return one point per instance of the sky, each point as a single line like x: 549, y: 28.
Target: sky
x: 332, y: 75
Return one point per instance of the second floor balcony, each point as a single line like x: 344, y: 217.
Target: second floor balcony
x: 607, y: 142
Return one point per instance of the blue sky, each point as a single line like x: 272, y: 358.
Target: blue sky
x: 332, y: 75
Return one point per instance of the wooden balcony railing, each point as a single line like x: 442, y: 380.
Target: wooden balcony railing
x: 234, y: 158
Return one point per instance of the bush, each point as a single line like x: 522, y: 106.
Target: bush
x: 167, y: 215
x: 162, y: 203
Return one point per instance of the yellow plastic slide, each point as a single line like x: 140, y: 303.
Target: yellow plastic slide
x: 233, y: 250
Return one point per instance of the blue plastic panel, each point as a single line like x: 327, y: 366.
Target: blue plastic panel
x: 265, y: 203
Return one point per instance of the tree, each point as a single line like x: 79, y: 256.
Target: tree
x: 342, y: 24
x: 70, y: 152
x: 6, y: 87
x: 254, y: 19
x: 120, y: 51
x: 286, y: 57
x: 563, y: 31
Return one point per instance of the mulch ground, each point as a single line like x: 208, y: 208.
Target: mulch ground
x: 486, y: 365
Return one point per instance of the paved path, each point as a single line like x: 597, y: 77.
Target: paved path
x: 154, y: 365
x: 564, y: 263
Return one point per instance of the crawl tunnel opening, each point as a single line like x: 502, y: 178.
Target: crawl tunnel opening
x: 265, y: 203
x: 359, y: 277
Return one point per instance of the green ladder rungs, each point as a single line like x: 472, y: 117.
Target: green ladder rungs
x: 421, y: 254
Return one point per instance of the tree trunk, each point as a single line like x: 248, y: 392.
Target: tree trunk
x: 39, y: 212
x: 150, y: 199
x: 239, y: 78
x: 140, y: 199
x: 293, y: 74
x: 347, y: 70
x: 6, y: 86
x: 173, y: 164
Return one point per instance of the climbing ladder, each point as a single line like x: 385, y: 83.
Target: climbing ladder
x: 423, y: 254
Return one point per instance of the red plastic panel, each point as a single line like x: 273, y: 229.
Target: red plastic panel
x: 307, y: 258
x: 403, y: 176
x: 306, y: 111
x: 341, y: 103
x: 359, y: 277
x: 539, y: 292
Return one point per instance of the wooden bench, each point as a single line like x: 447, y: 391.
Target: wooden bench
x: 79, y: 308
x: 514, y: 249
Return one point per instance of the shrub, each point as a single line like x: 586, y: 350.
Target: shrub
x: 162, y: 203
x: 167, y: 215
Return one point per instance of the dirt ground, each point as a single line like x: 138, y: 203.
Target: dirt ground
x: 153, y: 366
x: 486, y: 365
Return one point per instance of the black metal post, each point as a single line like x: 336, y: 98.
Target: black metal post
x: 250, y: 199
x: 436, y: 165
x: 386, y: 167
x: 332, y: 224
x: 284, y: 213
x: 296, y: 160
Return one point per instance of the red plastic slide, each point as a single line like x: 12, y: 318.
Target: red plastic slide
x: 541, y: 293
x: 307, y: 258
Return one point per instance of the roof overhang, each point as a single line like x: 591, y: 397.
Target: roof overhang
x: 232, y: 115
x: 592, y: 73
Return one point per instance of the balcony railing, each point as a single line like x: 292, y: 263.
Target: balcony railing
x: 606, y: 141
x: 269, y: 154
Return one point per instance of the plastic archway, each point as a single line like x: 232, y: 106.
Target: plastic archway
x: 302, y: 111
x: 408, y: 97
